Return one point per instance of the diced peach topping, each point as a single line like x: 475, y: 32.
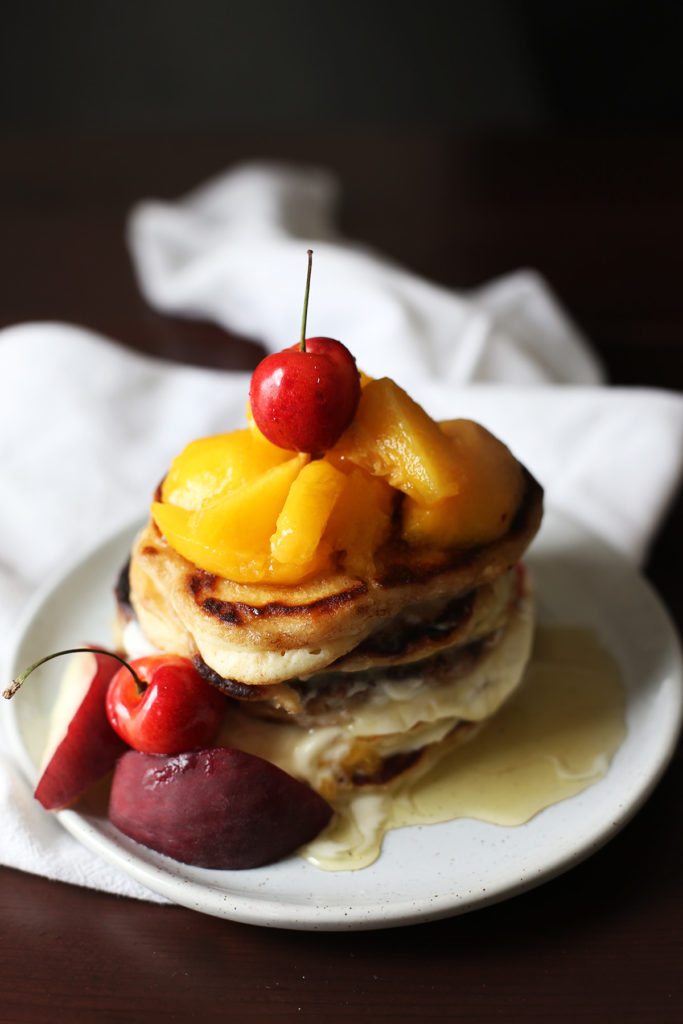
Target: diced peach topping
x: 308, y: 505
x: 238, y: 506
x: 360, y: 521
x: 230, y: 535
x: 393, y: 437
x: 212, y: 466
x: 490, y: 488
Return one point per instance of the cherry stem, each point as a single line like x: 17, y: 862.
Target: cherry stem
x: 302, y: 343
x: 16, y: 683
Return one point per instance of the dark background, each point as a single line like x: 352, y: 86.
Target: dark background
x: 483, y: 65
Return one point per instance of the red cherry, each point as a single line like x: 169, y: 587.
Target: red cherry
x: 304, y: 398
x: 164, y: 706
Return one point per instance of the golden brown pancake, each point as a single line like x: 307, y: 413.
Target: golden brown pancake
x: 347, y: 681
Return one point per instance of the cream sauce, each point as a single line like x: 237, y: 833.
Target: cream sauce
x: 554, y: 737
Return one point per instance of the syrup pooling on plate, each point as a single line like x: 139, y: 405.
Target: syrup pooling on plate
x: 555, y: 737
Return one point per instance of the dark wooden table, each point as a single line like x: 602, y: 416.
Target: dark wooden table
x: 602, y: 218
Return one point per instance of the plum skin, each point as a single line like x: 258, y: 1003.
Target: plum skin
x: 88, y: 748
x: 217, y: 808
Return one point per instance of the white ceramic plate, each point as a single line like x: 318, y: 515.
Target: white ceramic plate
x: 427, y: 872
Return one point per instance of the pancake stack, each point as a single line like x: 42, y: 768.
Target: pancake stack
x: 347, y: 680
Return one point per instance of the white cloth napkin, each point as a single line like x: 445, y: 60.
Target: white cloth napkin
x: 235, y: 251
x: 87, y: 428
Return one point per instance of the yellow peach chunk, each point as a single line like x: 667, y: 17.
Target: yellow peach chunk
x: 230, y: 536
x: 212, y: 466
x: 307, y: 508
x: 222, y: 560
x: 360, y: 521
x: 294, y: 572
x: 392, y: 437
x: 175, y: 524
x: 488, y: 497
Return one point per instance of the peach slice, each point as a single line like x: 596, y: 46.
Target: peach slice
x: 360, y: 520
x: 393, y: 437
x: 211, y: 466
x: 230, y: 536
x: 307, y: 508
x: 490, y: 490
